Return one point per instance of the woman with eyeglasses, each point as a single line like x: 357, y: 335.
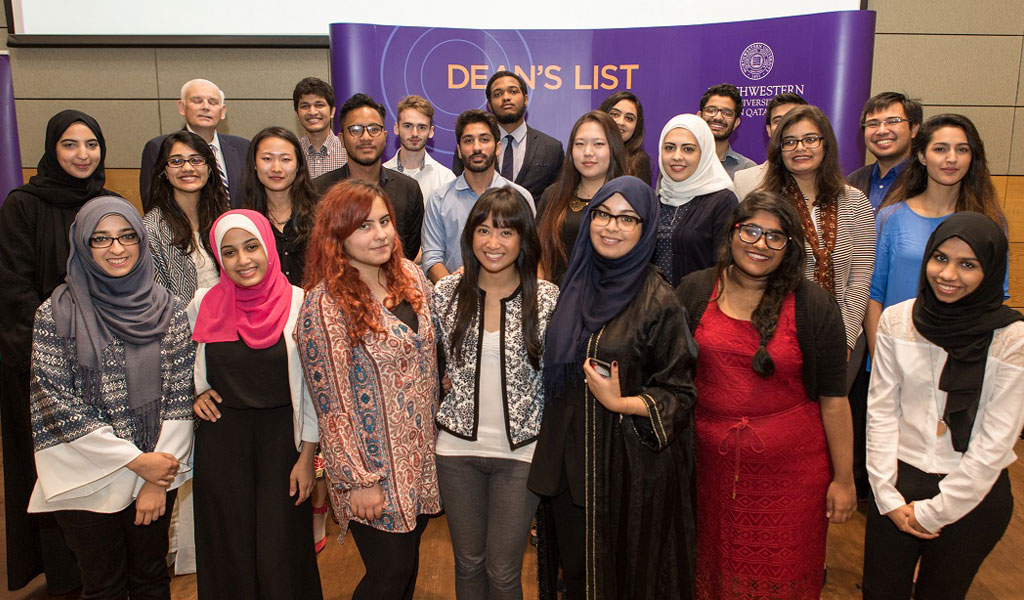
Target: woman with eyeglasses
x: 187, y: 198
x: 613, y: 454
x: 944, y: 413
x: 34, y: 224
x: 111, y: 405
x: 774, y: 434
x: 257, y: 431
x: 838, y: 221
x: 696, y: 196
x: 627, y: 112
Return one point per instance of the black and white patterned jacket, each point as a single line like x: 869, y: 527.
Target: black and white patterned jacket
x: 522, y: 385
x: 174, y: 269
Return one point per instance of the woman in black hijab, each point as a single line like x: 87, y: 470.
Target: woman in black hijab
x: 34, y: 223
x: 613, y: 454
x: 944, y: 412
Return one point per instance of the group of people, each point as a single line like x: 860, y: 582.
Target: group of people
x: 659, y: 379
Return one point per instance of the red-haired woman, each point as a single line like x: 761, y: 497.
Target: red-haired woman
x: 369, y: 354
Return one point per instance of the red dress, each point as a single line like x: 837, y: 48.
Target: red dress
x: 762, y: 466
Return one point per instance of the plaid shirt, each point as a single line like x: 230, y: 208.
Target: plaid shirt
x: 329, y: 157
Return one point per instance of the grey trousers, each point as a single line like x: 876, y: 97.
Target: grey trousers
x: 489, y: 511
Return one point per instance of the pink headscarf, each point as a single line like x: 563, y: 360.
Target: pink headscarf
x: 258, y: 313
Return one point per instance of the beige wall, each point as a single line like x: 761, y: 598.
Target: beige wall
x: 951, y: 55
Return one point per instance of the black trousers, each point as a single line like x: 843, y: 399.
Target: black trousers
x: 118, y: 559
x: 571, y: 529
x: 948, y: 562
x: 858, y: 398
x: 252, y: 542
x: 392, y: 561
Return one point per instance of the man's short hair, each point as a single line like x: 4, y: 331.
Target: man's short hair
x: 190, y: 83
x: 522, y: 82
x: 475, y: 115
x: 878, y: 102
x: 313, y: 86
x: 723, y: 89
x: 777, y: 101
x: 418, y: 103
x: 359, y: 101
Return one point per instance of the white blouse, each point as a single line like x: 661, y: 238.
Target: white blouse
x: 904, y: 408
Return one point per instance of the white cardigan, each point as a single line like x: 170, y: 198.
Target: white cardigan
x: 303, y: 416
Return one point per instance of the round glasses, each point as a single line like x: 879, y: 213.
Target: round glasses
x: 750, y: 233
x: 357, y: 130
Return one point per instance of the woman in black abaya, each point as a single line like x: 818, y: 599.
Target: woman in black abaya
x: 34, y: 223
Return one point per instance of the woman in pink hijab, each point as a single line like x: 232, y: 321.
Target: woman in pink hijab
x: 258, y: 429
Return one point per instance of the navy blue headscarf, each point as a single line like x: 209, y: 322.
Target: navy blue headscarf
x: 596, y: 289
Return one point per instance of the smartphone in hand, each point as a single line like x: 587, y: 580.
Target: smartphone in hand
x: 603, y: 369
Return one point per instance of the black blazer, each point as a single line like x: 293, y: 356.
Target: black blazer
x: 861, y: 179
x: 541, y: 164
x: 234, y: 148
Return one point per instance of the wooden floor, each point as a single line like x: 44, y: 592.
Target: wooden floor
x: 1000, y: 578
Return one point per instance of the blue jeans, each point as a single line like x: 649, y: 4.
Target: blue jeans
x: 489, y: 511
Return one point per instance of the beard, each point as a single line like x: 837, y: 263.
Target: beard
x: 510, y: 117
x: 487, y: 164
x: 721, y: 136
x: 367, y: 161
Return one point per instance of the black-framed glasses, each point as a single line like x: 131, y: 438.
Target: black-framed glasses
x: 890, y: 122
x: 177, y: 162
x: 626, y: 223
x: 810, y: 142
x: 710, y: 111
x: 357, y: 130
x: 750, y: 233
x: 105, y: 241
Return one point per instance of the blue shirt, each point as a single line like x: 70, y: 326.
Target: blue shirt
x: 447, y: 211
x: 879, y: 186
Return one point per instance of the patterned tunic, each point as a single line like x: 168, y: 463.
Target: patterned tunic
x: 375, y: 405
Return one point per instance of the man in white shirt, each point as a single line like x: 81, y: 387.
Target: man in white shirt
x: 414, y: 127
x: 202, y: 104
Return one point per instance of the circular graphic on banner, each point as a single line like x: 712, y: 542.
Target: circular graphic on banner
x: 757, y: 61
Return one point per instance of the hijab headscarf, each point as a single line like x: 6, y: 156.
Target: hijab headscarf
x: 596, y: 289
x: 710, y: 175
x: 92, y: 307
x: 51, y: 183
x: 257, y: 313
x: 964, y: 328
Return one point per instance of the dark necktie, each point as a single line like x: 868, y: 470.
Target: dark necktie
x: 220, y: 169
x: 507, y: 163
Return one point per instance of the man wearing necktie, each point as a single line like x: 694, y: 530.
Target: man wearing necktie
x: 202, y: 105
x: 529, y: 157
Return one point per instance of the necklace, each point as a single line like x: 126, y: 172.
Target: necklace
x: 577, y: 204
x: 277, y: 221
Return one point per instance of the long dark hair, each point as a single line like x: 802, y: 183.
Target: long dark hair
x: 976, y: 190
x: 303, y: 195
x: 783, y: 281
x: 828, y: 181
x: 507, y: 209
x: 213, y: 200
x: 635, y: 153
x: 550, y: 226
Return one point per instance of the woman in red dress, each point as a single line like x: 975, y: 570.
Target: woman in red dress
x: 774, y: 437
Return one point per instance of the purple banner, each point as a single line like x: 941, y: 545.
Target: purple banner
x: 826, y: 58
x: 10, y: 153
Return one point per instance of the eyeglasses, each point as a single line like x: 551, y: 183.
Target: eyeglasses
x: 626, y: 223
x: 750, y: 233
x: 890, y: 122
x: 176, y: 162
x: 710, y: 111
x: 810, y: 142
x: 105, y: 241
x: 357, y: 130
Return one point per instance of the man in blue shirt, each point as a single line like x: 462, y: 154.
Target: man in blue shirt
x: 720, y: 107
x: 890, y: 121
x: 448, y: 207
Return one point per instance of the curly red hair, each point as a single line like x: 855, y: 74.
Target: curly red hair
x: 343, y: 208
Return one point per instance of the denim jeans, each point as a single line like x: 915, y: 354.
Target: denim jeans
x: 489, y: 511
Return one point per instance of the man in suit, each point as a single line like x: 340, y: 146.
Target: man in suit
x: 364, y: 137
x: 528, y: 157
x: 890, y: 121
x: 746, y: 180
x: 202, y: 105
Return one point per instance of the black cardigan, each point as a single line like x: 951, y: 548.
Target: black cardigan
x: 819, y: 330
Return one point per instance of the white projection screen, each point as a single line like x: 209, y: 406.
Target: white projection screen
x: 273, y: 22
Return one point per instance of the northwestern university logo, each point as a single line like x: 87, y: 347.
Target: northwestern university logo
x: 757, y: 61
